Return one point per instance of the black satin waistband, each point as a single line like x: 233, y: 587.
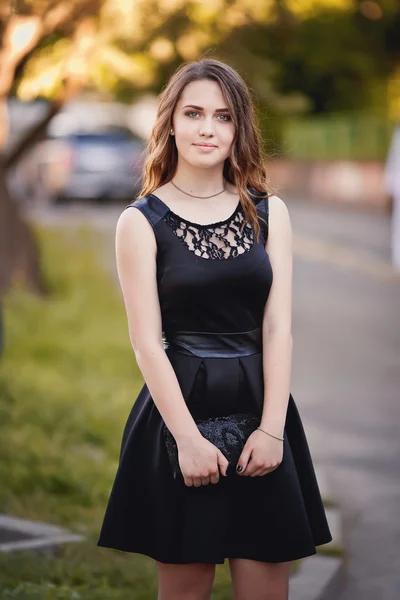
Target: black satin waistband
x: 217, y: 345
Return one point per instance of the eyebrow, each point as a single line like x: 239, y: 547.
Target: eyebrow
x: 218, y: 110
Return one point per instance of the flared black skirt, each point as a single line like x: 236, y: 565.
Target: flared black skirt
x: 275, y: 518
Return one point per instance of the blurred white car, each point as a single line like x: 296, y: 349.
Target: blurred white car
x: 103, y: 165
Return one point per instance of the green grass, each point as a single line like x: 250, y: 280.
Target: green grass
x: 68, y: 378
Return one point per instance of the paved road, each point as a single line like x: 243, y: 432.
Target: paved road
x: 346, y: 374
x: 346, y: 381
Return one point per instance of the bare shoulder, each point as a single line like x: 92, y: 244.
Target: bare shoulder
x: 134, y: 231
x: 277, y: 206
x: 280, y: 228
x: 131, y: 220
x: 278, y: 212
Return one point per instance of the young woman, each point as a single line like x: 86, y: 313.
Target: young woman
x: 205, y: 266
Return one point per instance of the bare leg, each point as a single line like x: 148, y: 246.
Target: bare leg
x: 185, y: 582
x: 256, y: 580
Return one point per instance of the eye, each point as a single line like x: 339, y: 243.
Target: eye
x: 191, y: 112
x: 227, y: 117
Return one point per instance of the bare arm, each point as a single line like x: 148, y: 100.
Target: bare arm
x: 277, y: 322
x: 136, y: 251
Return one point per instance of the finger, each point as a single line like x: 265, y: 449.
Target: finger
x: 243, y: 461
x: 214, y: 477
x: 251, y: 468
x: 259, y: 472
x: 197, y: 481
x: 189, y: 481
x: 205, y: 480
x: 223, y: 462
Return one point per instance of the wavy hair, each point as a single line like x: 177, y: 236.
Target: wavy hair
x: 245, y: 166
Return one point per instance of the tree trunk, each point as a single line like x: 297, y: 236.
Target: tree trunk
x: 19, y: 252
x: 31, y: 137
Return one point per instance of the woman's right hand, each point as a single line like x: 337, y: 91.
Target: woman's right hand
x: 200, y: 461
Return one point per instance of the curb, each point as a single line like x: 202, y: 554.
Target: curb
x: 322, y: 576
x: 22, y: 534
x: 319, y: 578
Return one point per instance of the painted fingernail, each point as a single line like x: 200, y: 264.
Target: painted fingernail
x: 239, y: 468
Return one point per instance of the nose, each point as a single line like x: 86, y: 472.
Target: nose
x: 207, y: 128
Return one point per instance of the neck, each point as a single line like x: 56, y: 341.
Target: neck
x: 201, y: 182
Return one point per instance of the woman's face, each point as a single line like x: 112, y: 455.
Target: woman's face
x: 201, y: 116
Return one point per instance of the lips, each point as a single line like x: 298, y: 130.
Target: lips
x: 206, y: 145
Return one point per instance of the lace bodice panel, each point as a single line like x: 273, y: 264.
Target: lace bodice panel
x: 198, y: 276
x: 221, y: 240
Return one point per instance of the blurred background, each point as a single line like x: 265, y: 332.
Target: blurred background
x: 79, y: 81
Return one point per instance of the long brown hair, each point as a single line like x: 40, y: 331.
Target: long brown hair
x: 245, y: 167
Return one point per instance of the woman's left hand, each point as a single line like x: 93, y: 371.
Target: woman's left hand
x: 261, y: 454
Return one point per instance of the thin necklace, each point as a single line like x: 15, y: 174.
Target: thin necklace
x: 201, y: 197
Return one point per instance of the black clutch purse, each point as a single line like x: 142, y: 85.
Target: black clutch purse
x: 229, y: 434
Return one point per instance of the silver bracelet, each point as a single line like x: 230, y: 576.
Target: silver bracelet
x: 270, y: 434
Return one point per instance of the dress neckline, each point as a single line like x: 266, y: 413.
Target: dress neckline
x: 200, y: 225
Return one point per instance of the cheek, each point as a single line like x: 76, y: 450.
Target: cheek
x: 185, y: 129
x: 184, y: 139
x: 226, y: 136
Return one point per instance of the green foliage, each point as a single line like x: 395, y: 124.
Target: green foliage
x: 336, y: 60
x: 328, y: 58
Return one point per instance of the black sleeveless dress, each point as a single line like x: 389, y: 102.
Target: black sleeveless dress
x: 214, y: 279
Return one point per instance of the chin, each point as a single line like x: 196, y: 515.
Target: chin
x: 204, y: 164
x: 205, y: 159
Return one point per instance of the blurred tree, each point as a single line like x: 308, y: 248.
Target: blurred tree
x: 24, y: 27
x: 335, y: 55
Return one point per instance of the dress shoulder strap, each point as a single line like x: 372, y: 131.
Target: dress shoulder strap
x: 261, y: 202
x: 152, y: 209
x: 260, y: 199
x: 263, y: 206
